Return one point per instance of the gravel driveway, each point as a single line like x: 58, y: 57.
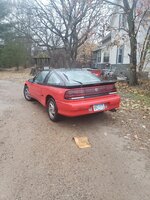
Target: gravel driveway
x: 39, y: 160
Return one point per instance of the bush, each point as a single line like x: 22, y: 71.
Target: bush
x: 13, y: 54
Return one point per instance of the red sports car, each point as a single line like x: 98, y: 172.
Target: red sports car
x: 71, y: 92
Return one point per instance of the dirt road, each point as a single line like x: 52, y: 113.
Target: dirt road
x: 39, y: 160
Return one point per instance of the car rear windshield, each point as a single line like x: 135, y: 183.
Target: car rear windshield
x: 80, y: 77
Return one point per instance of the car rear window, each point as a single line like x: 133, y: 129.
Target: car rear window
x: 80, y: 77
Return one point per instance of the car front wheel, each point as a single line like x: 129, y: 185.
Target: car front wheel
x: 52, y: 110
x: 27, y: 93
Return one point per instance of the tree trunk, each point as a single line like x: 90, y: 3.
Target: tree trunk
x: 70, y: 58
x: 133, y: 45
x: 17, y: 67
x: 133, y: 61
x: 73, y: 56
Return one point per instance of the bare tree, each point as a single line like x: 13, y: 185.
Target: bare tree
x: 71, y: 21
x: 134, y: 21
x: 27, y: 24
x: 60, y: 23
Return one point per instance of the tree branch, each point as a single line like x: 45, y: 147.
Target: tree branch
x: 114, y: 4
x: 140, y: 22
x: 145, y: 48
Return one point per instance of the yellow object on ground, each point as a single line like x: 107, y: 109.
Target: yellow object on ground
x: 82, y: 142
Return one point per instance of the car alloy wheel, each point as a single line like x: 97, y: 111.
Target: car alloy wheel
x: 27, y: 94
x: 52, y: 110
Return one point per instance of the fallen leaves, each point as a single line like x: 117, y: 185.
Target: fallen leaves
x: 134, y: 98
x: 131, y: 104
x: 142, y: 89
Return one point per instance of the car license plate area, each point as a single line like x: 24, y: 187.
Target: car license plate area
x: 98, y: 107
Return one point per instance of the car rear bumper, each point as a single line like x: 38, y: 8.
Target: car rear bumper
x: 83, y: 107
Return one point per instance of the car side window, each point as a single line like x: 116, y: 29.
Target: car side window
x: 41, y: 77
x: 54, y: 79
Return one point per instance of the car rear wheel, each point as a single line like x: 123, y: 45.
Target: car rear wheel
x: 52, y: 110
x: 27, y: 93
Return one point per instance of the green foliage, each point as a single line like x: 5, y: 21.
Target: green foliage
x: 13, y: 53
x: 4, y: 11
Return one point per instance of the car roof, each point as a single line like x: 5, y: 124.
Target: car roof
x: 63, y: 69
x: 68, y: 79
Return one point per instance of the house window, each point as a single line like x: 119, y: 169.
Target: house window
x: 99, y: 56
x: 122, y: 21
x: 106, y: 57
x: 120, y: 55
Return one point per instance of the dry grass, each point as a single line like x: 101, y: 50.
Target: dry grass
x: 13, y: 75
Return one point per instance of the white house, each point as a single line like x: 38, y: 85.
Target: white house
x: 115, y: 47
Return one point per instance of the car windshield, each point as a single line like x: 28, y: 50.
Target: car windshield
x: 80, y: 77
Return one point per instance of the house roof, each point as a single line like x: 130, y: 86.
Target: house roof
x: 104, y: 41
x: 41, y: 55
x: 107, y: 38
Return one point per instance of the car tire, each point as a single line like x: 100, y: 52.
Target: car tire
x: 52, y: 110
x: 27, y: 93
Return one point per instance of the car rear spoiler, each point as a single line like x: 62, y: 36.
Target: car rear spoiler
x: 89, y: 85
x: 107, y: 82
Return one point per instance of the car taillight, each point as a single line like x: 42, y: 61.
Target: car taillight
x: 85, y: 92
x: 75, y: 94
x: 113, y: 90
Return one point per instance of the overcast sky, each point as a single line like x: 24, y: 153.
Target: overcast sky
x: 44, y: 1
